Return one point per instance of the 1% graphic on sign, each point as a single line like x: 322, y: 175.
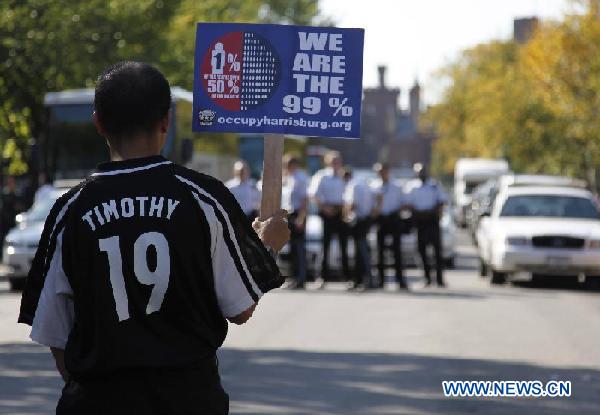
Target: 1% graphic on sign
x: 293, y: 104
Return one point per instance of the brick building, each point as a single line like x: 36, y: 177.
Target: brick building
x: 389, y: 133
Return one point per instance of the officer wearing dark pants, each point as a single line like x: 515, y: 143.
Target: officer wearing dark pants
x: 362, y: 273
x: 359, y: 206
x: 389, y: 201
x: 427, y: 200
x: 388, y: 225
x: 327, y: 189
x: 334, y: 225
x: 295, y: 201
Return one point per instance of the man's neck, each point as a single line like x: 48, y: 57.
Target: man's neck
x: 133, y: 149
x: 120, y: 156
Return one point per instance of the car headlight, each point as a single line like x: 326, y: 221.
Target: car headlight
x: 594, y: 243
x: 517, y: 241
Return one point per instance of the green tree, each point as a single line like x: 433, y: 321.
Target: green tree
x: 51, y: 45
x: 178, y: 61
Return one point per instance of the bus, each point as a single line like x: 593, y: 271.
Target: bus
x: 71, y: 147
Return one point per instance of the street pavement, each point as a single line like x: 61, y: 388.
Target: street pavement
x: 384, y: 352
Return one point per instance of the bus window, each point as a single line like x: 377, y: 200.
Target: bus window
x: 74, y: 147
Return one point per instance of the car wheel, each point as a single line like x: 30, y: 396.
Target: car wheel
x: 17, y: 284
x: 537, y: 279
x: 483, y: 269
x: 592, y: 282
x: 498, y: 277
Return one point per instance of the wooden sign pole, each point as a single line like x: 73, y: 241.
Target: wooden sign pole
x: 272, y: 172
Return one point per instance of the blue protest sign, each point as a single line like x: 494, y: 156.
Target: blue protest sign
x: 278, y: 79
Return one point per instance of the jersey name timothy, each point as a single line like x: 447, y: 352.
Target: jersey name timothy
x: 129, y: 207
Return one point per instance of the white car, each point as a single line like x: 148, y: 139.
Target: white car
x: 543, y: 230
x: 22, y: 241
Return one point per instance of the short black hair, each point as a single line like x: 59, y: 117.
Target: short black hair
x: 290, y: 159
x: 130, y: 98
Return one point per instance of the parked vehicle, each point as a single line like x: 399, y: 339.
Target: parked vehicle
x: 22, y: 241
x: 481, y: 203
x: 485, y: 194
x: 543, y: 230
x: 72, y: 147
x: 468, y: 174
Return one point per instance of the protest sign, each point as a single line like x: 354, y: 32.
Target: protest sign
x: 275, y: 80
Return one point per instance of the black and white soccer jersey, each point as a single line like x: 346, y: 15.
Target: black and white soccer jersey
x: 139, y: 265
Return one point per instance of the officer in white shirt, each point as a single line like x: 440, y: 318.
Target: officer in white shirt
x: 327, y: 188
x: 427, y: 200
x: 359, y: 203
x: 244, y: 189
x: 295, y: 201
x: 389, y: 200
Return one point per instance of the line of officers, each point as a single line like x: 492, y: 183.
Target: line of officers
x: 349, y: 208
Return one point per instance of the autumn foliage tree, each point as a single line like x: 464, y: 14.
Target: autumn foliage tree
x: 535, y: 104
x: 562, y: 65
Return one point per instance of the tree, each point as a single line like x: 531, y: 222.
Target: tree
x: 178, y: 63
x: 535, y: 104
x: 473, y: 117
x: 51, y: 45
x: 562, y: 63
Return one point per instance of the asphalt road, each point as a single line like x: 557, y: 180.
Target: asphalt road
x: 384, y: 352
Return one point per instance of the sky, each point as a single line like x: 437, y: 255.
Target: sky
x: 413, y: 38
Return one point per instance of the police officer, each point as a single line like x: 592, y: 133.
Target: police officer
x: 244, y: 189
x: 359, y: 203
x: 427, y: 200
x: 295, y: 201
x: 327, y: 188
x: 389, y: 200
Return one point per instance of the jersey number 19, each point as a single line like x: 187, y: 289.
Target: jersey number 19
x: 159, y: 278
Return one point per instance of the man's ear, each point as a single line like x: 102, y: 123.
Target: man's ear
x: 98, y: 124
x: 164, y: 123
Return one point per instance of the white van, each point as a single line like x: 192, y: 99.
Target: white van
x: 468, y: 174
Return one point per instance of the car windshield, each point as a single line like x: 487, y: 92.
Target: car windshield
x: 41, y: 209
x: 470, y: 187
x: 554, y: 206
